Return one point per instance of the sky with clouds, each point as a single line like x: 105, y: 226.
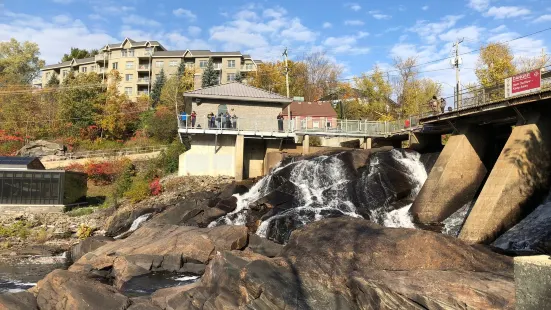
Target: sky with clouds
x: 356, y: 34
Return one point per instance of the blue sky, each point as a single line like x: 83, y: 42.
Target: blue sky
x: 356, y: 34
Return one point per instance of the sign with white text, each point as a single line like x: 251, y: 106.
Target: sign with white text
x: 523, y: 83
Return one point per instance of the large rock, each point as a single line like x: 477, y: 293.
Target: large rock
x: 41, y: 148
x: 87, y: 245
x: 18, y: 301
x: 62, y: 290
x: 349, y: 263
x: 161, y: 247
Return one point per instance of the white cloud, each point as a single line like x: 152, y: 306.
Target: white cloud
x: 96, y: 17
x: 133, y: 19
x: 473, y: 33
x: 526, y: 47
x: 479, y: 5
x: 362, y: 34
x: 353, y: 6
x: 498, y: 29
x: 277, y: 12
x: 379, y: 15
x: 62, y: 19
x: 424, y: 8
x: 54, y: 39
x: 194, y: 31
x: 543, y: 18
x: 506, y: 12
x: 299, y: 32
x: 401, y: 8
x: 246, y: 14
x: 113, y: 9
x: 346, y: 44
x: 353, y: 23
x: 62, y: 1
x: 327, y: 25
x: 430, y: 31
x: 180, y: 12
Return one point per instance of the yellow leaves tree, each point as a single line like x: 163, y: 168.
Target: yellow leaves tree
x: 172, y: 93
x: 376, y: 92
x: 117, y: 113
x: 19, y: 62
x: 271, y: 77
x: 495, y: 64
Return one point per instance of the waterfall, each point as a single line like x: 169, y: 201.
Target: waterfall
x: 453, y: 224
x: 135, y: 225
x: 306, y: 190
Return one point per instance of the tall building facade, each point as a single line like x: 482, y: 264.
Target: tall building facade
x: 140, y: 62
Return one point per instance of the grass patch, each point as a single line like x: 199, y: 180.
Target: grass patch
x: 21, y: 229
x: 81, y: 211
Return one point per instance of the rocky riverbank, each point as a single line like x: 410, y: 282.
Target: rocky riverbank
x: 306, y: 237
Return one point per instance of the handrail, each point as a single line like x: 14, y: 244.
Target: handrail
x: 108, y: 153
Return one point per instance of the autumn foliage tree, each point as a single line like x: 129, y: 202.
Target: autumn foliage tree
x: 19, y: 62
x: 495, y: 64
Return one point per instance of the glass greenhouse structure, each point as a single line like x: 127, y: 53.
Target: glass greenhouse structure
x: 24, y: 181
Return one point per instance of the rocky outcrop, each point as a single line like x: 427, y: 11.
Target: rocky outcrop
x: 87, y: 245
x: 18, y: 301
x: 41, y: 148
x: 161, y: 247
x: 349, y: 263
x: 264, y: 246
x: 62, y: 290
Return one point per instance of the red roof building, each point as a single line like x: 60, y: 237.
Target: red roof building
x: 311, y: 115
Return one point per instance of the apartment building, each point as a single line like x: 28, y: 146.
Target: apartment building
x: 139, y: 63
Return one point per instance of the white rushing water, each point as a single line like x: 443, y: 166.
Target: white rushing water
x: 453, y: 224
x: 320, y: 190
x: 135, y: 225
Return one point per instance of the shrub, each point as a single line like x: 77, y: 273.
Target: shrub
x: 76, y: 167
x: 138, y: 191
x: 155, y: 187
x: 41, y: 236
x: 19, y: 229
x: 84, y: 231
x: 124, y: 179
x: 162, y: 125
x: 80, y: 211
x: 168, y: 159
x: 103, y: 173
x: 10, y: 144
x: 315, y: 141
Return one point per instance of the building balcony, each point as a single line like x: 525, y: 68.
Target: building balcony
x: 144, y: 80
x: 143, y: 53
x: 100, y: 57
x: 247, y: 68
x: 217, y: 66
x: 143, y: 67
x: 143, y: 93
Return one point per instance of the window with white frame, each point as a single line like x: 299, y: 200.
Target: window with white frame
x: 129, y: 77
x: 130, y: 52
x: 128, y: 91
x: 249, y: 66
x: 83, y: 69
x: 65, y: 73
x: 115, y: 66
x: 173, y: 63
x: 93, y: 68
x: 203, y: 63
x: 231, y: 63
x: 129, y: 65
x: 231, y: 77
x: 159, y: 64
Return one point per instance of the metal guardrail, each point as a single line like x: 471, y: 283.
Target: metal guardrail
x: 107, y: 153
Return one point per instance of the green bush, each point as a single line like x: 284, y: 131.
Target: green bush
x: 81, y: 211
x: 161, y: 125
x: 21, y: 229
x: 138, y: 191
x: 124, y: 180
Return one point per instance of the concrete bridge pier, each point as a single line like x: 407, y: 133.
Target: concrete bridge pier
x: 455, y: 178
x: 517, y: 183
x: 425, y: 142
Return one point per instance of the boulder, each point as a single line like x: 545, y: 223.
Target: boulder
x: 123, y: 219
x: 63, y: 289
x: 264, y: 246
x: 18, y: 301
x: 143, y: 304
x: 41, y: 148
x: 87, y: 245
x: 347, y: 263
x: 161, y: 247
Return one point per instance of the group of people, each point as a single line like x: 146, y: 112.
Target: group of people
x: 189, y: 118
x: 437, y: 105
x: 222, y: 120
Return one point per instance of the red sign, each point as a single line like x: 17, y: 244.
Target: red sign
x: 523, y: 83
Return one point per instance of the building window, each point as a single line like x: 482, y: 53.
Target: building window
x: 231, y: 77
x: 83, y: 69
x: 231, y: 63
x: 127, y: 53
x: 129, y: 77
x: 93, y: 68
x: 159, y: 64
x: 249, y: 66
x: 130, y: 53
x: 65, y: 72
x: 173, y: 63
x: 115, y: 66
x: 190, y: 65
x: 47, y: 74
x: 128, y: 91
x: 203, y: 63
x: 129, y: 65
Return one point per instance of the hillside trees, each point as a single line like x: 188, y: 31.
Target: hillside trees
x: 78, y: 53
x: 158, y: 87
x: 19, y: 62
x: 210, y: 76
x: 495, y: 64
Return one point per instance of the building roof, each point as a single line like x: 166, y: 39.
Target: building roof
x: 85, y: 60
x: 169, y: 53
x: 237, y: 91
x: 316, y: 109
x: 20, y: 163
x: 59, y: 65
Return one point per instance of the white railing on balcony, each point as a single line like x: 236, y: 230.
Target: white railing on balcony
x: 143, y: 67
x: 217, y: 66
x: 143, y: 92
x: 143, y: 80
x: 247, y: 67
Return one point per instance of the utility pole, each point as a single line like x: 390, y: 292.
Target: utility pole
x: 287, y: 84
x: 456, y: 63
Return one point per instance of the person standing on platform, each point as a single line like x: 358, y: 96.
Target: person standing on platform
x: 193, y: 119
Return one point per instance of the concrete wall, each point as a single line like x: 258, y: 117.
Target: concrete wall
x: 201, y: 159
x: 533, y: 282
x: 516, y: 184
x: 255, y: 150
x: 454, y: 180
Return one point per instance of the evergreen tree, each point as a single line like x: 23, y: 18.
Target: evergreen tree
x: 158, y: 87
x: 239, y: 77
x: 210, y: 76
x: 181, y: 70
x: 53, y: 81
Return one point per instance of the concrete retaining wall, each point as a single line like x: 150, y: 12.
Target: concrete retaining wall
x: 201, y: 159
